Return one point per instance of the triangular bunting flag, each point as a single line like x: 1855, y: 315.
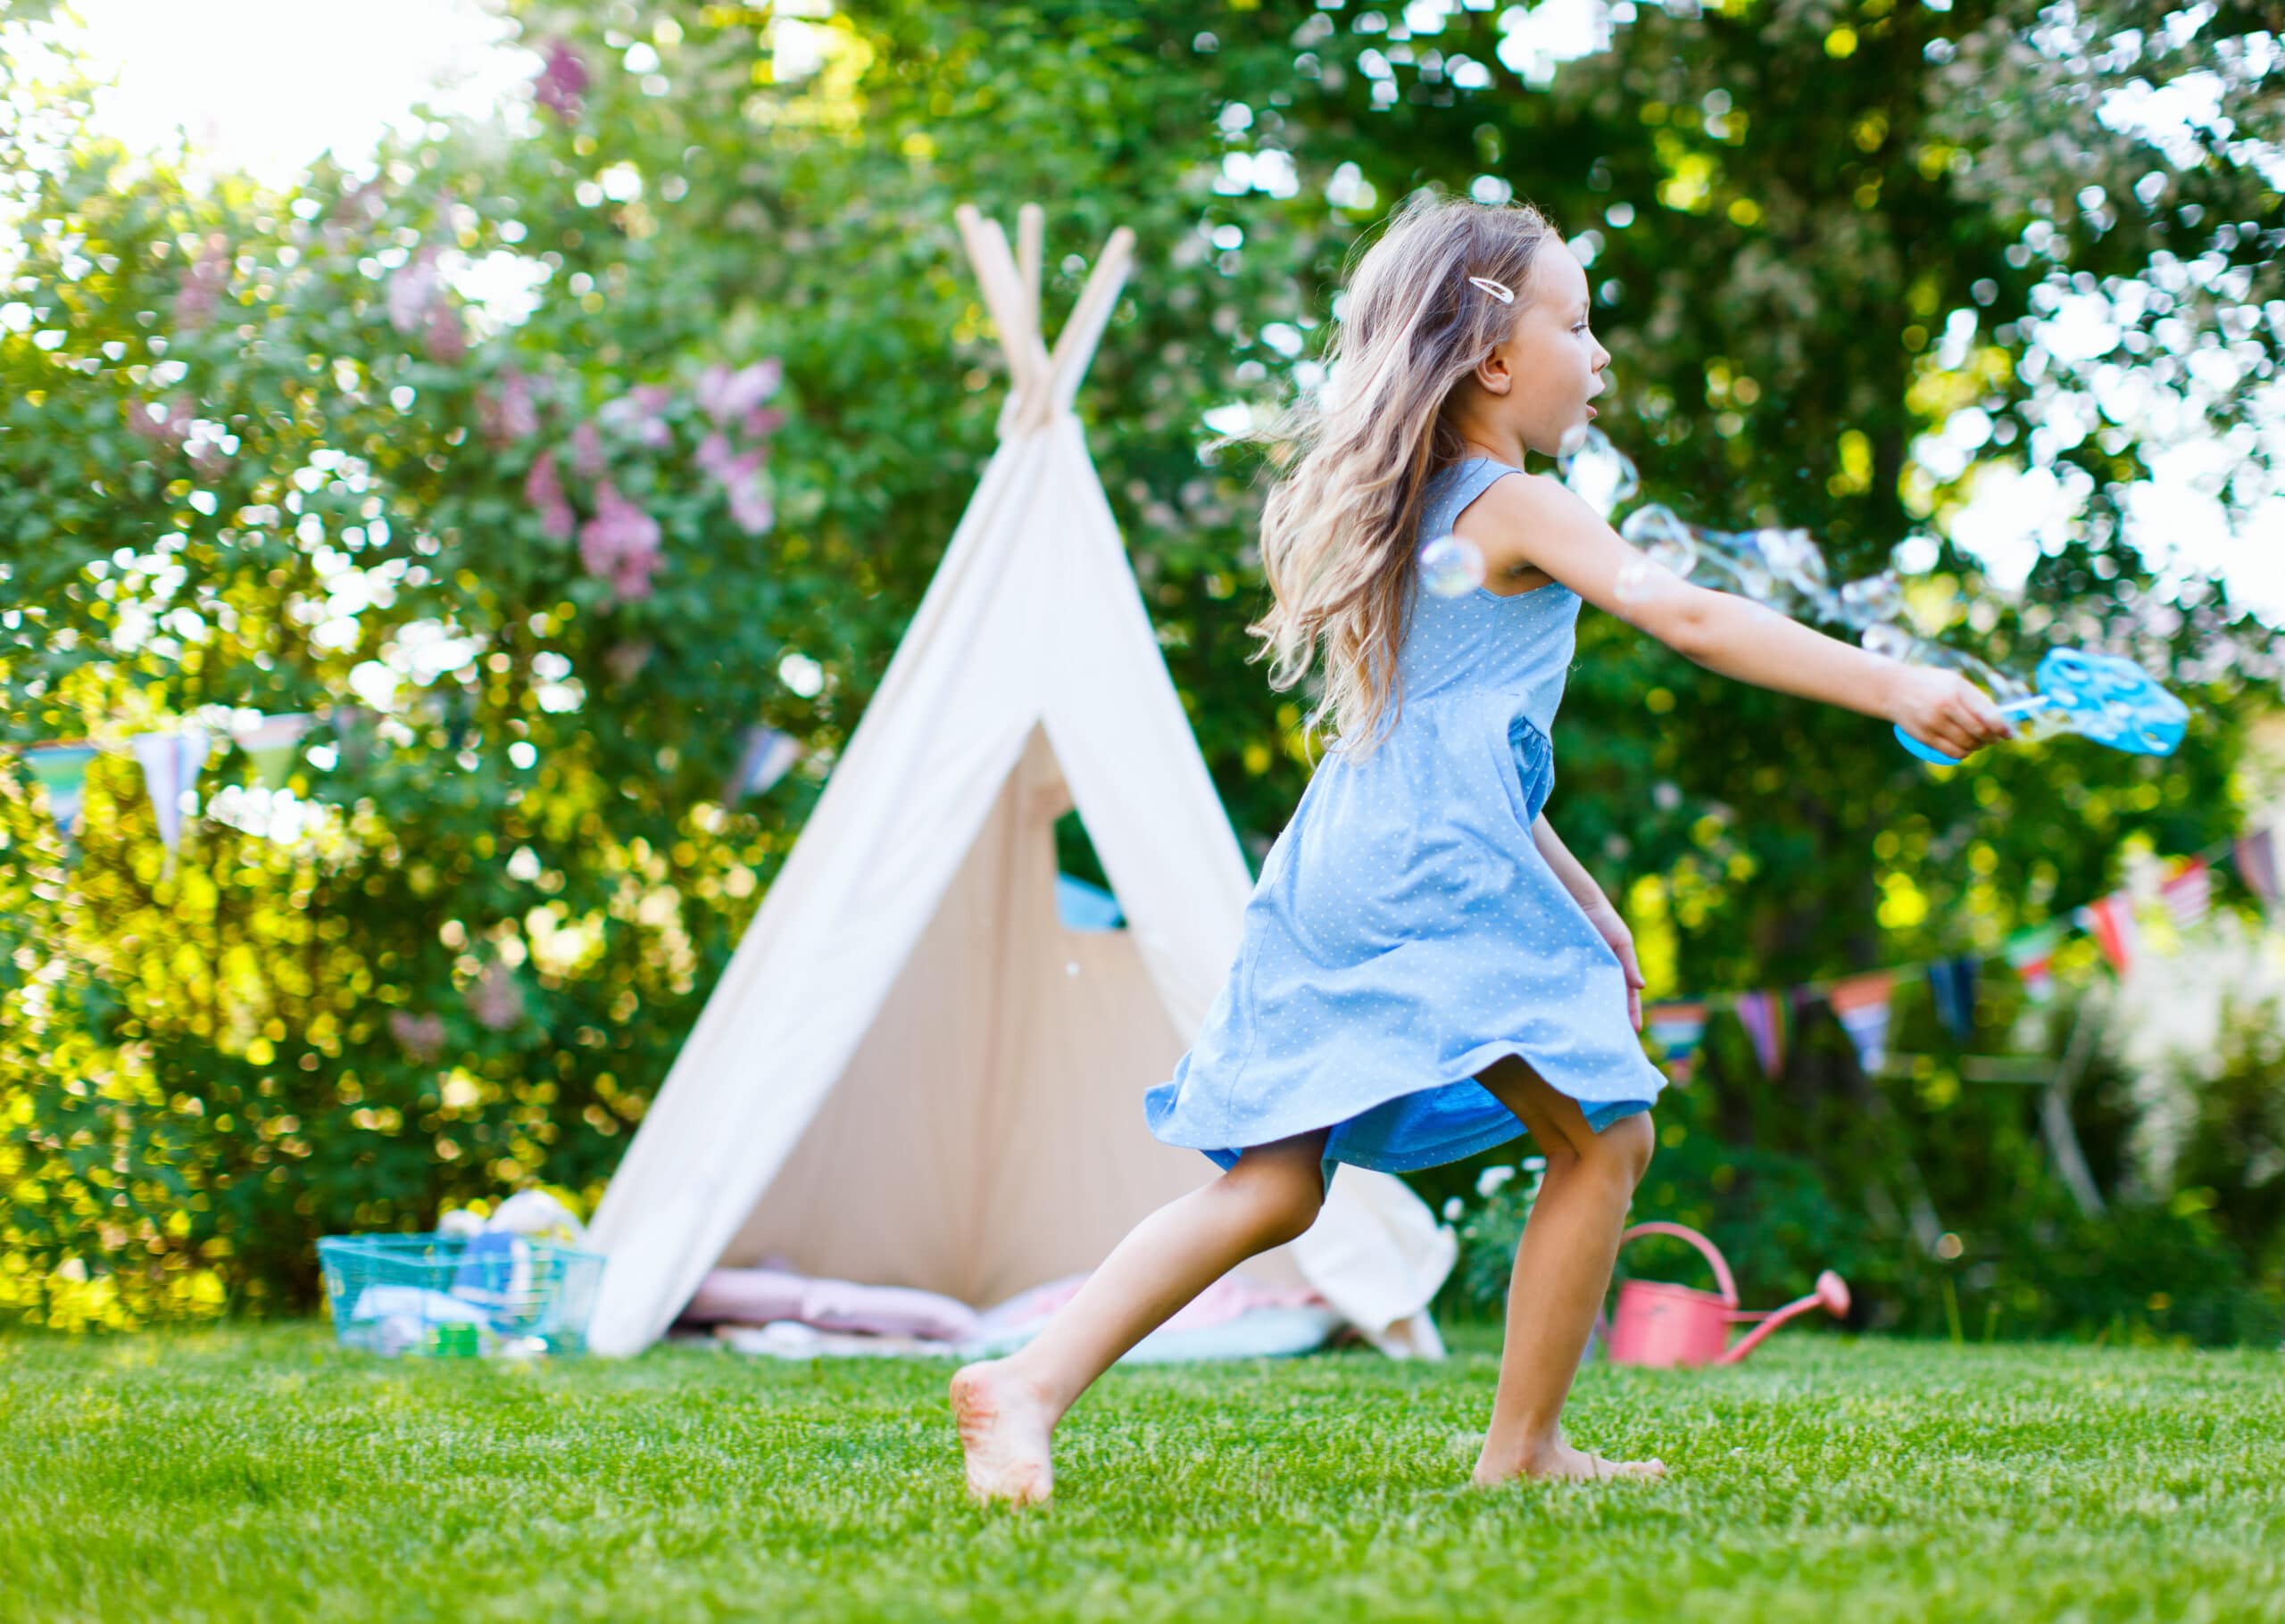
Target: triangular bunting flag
x: 2187, y: 892
x: 769, y: 755
x: 2256, y: 855
x: 1861, y: 1004
x: 1764, y: 1015
x: 270, y: 744
x: 62, y: 770
x: 2111, y: 921
x: 1677, y: 1029
x: 2031, y: 956
x: 170, y: 764
x: 1953, y: 981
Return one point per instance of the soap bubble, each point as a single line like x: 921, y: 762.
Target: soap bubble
x: 1741, y: 558
x: 1452, y: 566
x: 1603, y: 476
x: 1639, y: 579
x: 1872, y: 599
x: 2043, y: 721
x: 1664, y: 538
x: 1572, y: 439
x: 1794, y: 558
x: 1890, y: 642
x: 1999, y: 684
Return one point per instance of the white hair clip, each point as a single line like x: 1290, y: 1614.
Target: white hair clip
x: 1498, y: 290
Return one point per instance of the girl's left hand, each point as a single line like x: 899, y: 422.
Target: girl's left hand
x: 1613, y: 930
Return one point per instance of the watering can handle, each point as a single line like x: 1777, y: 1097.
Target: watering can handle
x: 1682, y: 1232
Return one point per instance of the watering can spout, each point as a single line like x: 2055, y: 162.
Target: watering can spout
x: 1832, y: 1295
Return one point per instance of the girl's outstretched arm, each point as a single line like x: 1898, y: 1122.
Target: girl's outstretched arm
x: 1541, y: 522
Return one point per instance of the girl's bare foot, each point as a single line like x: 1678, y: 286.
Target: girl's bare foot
x: 1004, y: 1427
x: 1562, y: 1462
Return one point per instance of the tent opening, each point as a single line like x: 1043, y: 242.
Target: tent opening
x: 1083, y: 894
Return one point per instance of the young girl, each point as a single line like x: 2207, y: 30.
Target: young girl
x: 1426, y: 971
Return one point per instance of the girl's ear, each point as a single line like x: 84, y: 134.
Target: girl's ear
x: 1492, y: 374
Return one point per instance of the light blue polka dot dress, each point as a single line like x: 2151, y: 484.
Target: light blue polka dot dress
x: 1406, y: 932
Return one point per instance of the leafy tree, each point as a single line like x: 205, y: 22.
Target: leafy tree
x: 261, y: 452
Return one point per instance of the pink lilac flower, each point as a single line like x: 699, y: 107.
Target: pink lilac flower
x: 509, y: 413
x: 413, y: 290
x: 169, y: 426
x: 587, y: 450
x: 203, y: 281
x: 493, y: 998
x: 624, y: 660
x: 640, y: 412
x: 543, y: 489
x: 740, y: 477
x: 560, y: 80
x: 204, y: 447
x: 620, y: 543
x: 762, y: 423
x: 422, y: 1036
x: 632, y: 579
x: 446, y: 339
x: 749, y: 507
x: 724, y: 394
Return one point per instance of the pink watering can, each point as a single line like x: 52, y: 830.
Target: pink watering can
x: 1659, y: 1324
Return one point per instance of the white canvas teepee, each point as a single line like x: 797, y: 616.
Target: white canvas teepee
x: 911, y: 1073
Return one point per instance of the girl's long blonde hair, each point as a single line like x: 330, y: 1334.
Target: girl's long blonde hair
x: 1337, y: 532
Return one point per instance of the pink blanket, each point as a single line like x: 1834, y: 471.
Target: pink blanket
x: 759, y: 1296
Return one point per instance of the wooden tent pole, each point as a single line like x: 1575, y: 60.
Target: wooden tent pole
x: 1075, y: 345
x: 1029, y: 347
x: 1031, y: 230
x: 995, y: 277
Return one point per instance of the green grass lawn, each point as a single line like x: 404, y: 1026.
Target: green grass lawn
x: 266, y: 1473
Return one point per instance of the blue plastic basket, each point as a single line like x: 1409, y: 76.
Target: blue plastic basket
x: 454, y: 1295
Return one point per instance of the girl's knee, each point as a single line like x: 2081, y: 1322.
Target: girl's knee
x: 1281, y: 1200
x: 1628, y: 1146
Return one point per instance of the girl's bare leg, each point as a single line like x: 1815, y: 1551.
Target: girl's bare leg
x: 1007, y: 1408
x: 1562, y: 1271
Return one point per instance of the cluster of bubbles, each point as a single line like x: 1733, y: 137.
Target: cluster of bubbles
x: 1785, y: 571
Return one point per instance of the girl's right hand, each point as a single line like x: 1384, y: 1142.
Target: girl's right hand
x: 1944, y: 709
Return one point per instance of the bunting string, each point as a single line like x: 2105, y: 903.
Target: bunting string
x: 1862, y: 1001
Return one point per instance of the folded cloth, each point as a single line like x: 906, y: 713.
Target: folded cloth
x: 759, y: 1296
x: 414, y: 1302
x: 1226, y: 1299
x: 790, y: 1339
x: 1258, y: 1333
x: 495, y: 1273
